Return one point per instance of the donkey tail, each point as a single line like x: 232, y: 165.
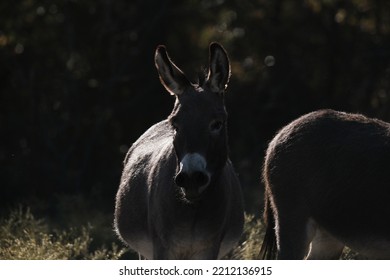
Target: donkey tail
x: 269, y: 249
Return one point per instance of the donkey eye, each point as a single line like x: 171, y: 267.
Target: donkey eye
x: 216, y: 126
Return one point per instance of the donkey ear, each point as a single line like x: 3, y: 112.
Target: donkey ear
x: 171, y: 77
x: 219, y: 71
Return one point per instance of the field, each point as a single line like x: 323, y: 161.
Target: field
x: 24, y: 236
x: 79, y: 86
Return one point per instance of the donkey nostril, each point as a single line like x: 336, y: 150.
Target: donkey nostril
x: 200, y: 178
x: 181, y: 179
x: 196, y: 179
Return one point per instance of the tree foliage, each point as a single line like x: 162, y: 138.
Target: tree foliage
x: 79, y: 85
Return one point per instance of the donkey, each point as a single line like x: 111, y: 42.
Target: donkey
x: 179, y: 196
x: 327, y: 185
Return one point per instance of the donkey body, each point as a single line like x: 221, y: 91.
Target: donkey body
x: 179, y: 197
x: 327, y: 184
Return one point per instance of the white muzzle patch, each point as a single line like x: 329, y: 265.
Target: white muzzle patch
x: 193, y: 162
x: 194, y: 166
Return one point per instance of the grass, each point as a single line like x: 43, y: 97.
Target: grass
x: 251, y: 240
x: 24, y: 237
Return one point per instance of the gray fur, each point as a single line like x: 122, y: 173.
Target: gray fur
x: 163, y: 212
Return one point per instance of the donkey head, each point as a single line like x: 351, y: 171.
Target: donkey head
x: 198, y: 120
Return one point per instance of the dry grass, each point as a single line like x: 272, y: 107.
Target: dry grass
x: 23, y: 237
x: 251, y: 240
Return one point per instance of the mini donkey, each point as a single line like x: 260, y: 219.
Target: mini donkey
x: 327, y: 184
x: 179, y: 197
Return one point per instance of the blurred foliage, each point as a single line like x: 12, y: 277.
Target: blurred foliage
x: 78, y: 83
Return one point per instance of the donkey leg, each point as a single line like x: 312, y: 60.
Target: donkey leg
x: 325, y: 247
x: 293, y: 237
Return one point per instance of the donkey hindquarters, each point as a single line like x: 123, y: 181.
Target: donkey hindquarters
x: 179, y: 197
x: 327, y: 184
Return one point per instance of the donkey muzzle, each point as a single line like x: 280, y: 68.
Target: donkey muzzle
x: 193, y: 177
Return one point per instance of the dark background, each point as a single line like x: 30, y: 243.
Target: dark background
x: 78, y: 83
